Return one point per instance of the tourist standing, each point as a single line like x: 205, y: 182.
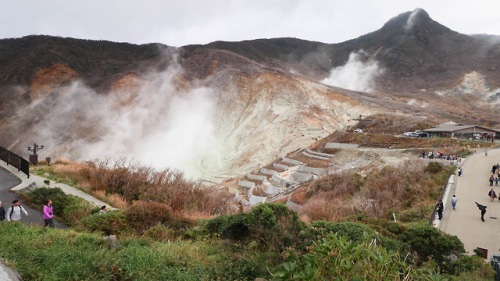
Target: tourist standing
x: 440, y: 209
x: 14, y: 212
x: 454, y: 200
x: 48, y: 214
x: 492, y: 195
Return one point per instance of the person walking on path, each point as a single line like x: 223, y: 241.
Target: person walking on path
x: 440, y: 209
x: 14, y: 212
x: 492, y: 195
x: 460, y: 171
x: 483, y: 210
x: 2, y: 212
x: 48, y: 214
x: 454, y: 200
x: 492, y: 178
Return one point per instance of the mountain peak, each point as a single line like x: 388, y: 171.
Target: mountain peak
x: 409, y: 20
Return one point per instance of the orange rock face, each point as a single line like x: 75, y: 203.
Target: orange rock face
x: 48, y: 79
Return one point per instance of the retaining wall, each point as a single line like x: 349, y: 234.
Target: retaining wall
x: 315, y: 156
x: 280, y: 181
x: 254, y: 200
x: 310, y: 170
x: 319, y: 153
x: 271, y: 189
x: 256, y: 177
x: 280, y: 166
x: 267, y: 171
x: 291, y: 161
x: 293, y: 206
x: 341, y: 145
x: 247, y: 184
x: 300, y: 177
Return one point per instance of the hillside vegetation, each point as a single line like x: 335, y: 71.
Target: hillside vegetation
x: 162, y: 238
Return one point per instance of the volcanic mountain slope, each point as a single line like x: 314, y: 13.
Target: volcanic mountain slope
x: 223, y: 109
x: 415, y: 51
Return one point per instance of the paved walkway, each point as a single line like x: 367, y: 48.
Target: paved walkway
x: 473, y: 186
x: 13, y: 180
x: 39, y: 181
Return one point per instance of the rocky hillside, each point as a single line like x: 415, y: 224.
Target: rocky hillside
x: 223, y: 109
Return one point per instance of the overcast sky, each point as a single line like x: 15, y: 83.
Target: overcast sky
x: 183, y: 22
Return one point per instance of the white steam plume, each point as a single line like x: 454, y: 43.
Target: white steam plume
x: 356, y: 75
x: 411, y: 19
x: 160, y: 125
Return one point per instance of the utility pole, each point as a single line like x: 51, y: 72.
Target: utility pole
x: 34, y: 156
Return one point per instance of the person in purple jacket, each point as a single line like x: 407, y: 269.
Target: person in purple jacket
x: 48, y: 214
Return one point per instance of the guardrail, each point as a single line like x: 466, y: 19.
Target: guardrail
x: 15, y: 160
x: 433, y: 215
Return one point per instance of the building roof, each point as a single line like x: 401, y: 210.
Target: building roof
x: 454, y: 127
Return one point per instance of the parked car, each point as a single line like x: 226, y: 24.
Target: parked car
x: 410, y: 134
x: 358, y: 130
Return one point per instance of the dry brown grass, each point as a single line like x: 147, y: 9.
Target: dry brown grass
x: 117, y: 201
x: 258, y: 192
x: 100, y: 194
x: 407, y: 190
x: 299, y: 195
x: 120, y: 182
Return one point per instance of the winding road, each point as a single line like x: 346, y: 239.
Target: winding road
x: 7, y: 181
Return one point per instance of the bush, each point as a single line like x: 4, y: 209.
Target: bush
x: 60, y: 200
x: 110, y: 223
x: 158, y: 232
x: 472, y: 264
x: 355, y: 232
x: 273, y: 226
x: 430, y: 243
x: 144, y: 215
x: 385, y: 227
x: 334, y: 258
x: 77, y: 211
x: 68, y: 208
x: 434, y: 167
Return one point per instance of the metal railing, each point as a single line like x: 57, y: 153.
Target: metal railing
x: 433, y: 215
x: 15, y: 160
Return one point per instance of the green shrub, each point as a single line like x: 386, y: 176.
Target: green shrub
x: 434, y: 167
x: 355, y: 232
x: 59, y: 199
x: 273, y: 226
x: 77, y: 211
x: 430, y: 243
x: 113, y: 222
x: 141, y: 216
x: 334, y: 258
x: 68, y: 208
x: 472, y: 264
x: 217, y: 224
x: 159, y: 232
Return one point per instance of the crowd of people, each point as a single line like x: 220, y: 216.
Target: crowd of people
x: 493, y: 181
x: 440, y: 155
